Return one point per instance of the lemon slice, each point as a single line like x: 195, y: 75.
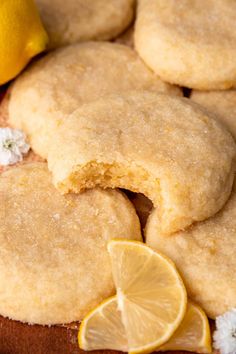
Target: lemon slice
x: 103, y: 329
x: 150, y: 293
x: 193, y: 334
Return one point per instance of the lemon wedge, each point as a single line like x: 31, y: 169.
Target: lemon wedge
x: 150, y: 307
x: 151, y: 298
x: 22, y: 36
x: 103, y: 329
x: 193, y: 334
x: 150, y: 293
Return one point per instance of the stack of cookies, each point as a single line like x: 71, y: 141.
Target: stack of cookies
x: 101, y: 116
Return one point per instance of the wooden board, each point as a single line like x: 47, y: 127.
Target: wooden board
x: 19, y: 338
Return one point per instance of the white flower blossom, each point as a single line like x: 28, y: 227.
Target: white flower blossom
x: 12, y: 146
x: 225, y: 334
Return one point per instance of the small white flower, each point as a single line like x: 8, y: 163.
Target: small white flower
x: 225, y: 334
x: 12, y: 146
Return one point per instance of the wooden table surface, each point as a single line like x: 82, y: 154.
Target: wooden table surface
x: 20, y: 338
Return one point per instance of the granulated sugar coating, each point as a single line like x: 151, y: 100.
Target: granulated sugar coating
x: 72, y: 21
x: 205, y: 257
x: 191, y: 43
x: 62, y: 81
x: 163, y: 146
x: 54, y: 265
x: 222, y: 103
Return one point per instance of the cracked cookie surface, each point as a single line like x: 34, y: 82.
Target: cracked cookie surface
x: 78, y: 20
x: 43, y: 96
x: 54, y: 265
x: 189, y: 42
x: 163, y: 146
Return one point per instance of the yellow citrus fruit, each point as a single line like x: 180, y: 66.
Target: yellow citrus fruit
x: 149, y: 306
x: 193, y: 334
x: 22, y: 36
x: 103, y: 329
x: 150, y: 293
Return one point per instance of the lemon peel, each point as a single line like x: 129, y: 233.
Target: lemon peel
x: 22, y: 36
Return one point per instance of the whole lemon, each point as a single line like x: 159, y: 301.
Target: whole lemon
x: 22, y: 36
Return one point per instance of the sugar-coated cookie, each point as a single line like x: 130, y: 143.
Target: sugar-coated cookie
x: 205, y: 257
x: 191, y: 43
x: 79, y: 20
x: 222, y: 103
x: 165, y: 147
x: 54, y: 265
x: 59, y: 83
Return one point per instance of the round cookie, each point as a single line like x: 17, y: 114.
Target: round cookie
x: 59, y: 83
x: 222, y: 103
x: 79, y: 20
x: 205, y: 257
x: 191, y: 43
x: 164, y: 147
x: 54, y: 265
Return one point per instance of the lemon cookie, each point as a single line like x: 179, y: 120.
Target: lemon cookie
x: 163, y: 146
x: 59, y: 83
x: 54, y: 265
x: 205, y: 256
x: 222, y: 103
x: 79, y: 20
x: 189, y: 42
